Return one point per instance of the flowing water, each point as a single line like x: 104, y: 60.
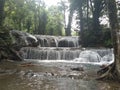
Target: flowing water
x: 51, y: 76
x: 57, y: 68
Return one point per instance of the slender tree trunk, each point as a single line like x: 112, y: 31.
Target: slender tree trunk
x: 96, y: 24
x: 2, y: 2
x: 64, y: 17
x: 68, y: 29
x: 81, y: 34
x: 87, y: 12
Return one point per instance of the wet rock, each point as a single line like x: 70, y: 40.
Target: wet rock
x: 53, y: 43
x: 63, y: 43
x: 29, y: 73
x: 42, y: 42
x: 77, y: 69
x: 71, y: 44
x: 46, y: 41
x: 2, y: 71
x: 23, y: 39
x: 7, y: 72
x: 68, y: 42
x: 89, y: 56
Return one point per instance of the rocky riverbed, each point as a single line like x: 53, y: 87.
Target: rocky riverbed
x: 41, y: 75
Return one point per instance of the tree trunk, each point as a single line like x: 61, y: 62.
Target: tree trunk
x: 81, y: 34
x: 2, y: 2
x: 113, y: 71
x: 96, y: 24
x: 68, y: 29
x: 115, y: 34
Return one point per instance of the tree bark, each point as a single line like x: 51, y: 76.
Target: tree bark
x: 68, y: 29
x: 96, y: 24
x: 81, y: 34
x: 115, y: 34
x: 113, y: 71
x: 2, y: 2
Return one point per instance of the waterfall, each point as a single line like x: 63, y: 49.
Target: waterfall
x: 50, y: 53
x: 96, y: 55
x: 59, y: 48
x: 54, y: 41
x: 75, y: 54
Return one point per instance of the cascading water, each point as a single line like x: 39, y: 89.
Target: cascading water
x: 50, y: 53
x: 65, y: 49
x: 97, y: 56
x: 53, y: 41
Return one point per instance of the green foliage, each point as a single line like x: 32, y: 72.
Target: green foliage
x: 18, y: 14
x: 89, y: 40
x: 54, y: 25
x: 33, y: 17
x: 2, y: 3
x: 91, y: 31
x: 5, y: 38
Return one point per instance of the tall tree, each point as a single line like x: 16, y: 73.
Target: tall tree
x: 62, y: 5
x: 113, y: 71
x: 81, y: 22
x: 2, y: 3
x: 68, y: 28
x: 95, y: 30
x: 76, y: 5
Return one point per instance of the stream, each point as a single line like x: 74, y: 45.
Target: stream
x: 37, y: 75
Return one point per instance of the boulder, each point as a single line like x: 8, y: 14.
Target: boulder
x: 65, y: 43
x: 90, y: 56
x: 46, y: 41
x: 23, y: 39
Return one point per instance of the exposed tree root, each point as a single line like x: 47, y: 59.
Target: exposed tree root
x: 10, y: 53
x: 16, y: 54
x: 107, y: 73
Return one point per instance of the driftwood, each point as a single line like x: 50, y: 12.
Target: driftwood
x: 27, y: 64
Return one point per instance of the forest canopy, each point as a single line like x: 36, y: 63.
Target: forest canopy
x: 87, y: 18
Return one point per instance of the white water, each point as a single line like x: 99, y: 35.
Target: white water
x: 85, y: 57
x: 54, y: 49
x: 57, y: 41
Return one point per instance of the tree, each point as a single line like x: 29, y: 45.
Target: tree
x: 6, y: 50
x: 41, y: 17
x: 55, y: 19
x: 113, y: 70
x: 97, y: 32
x: 75, y: 5
x: 18, y: 14
x: 2, y: 2
x: 68, y: 28
x: 62, y: 5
